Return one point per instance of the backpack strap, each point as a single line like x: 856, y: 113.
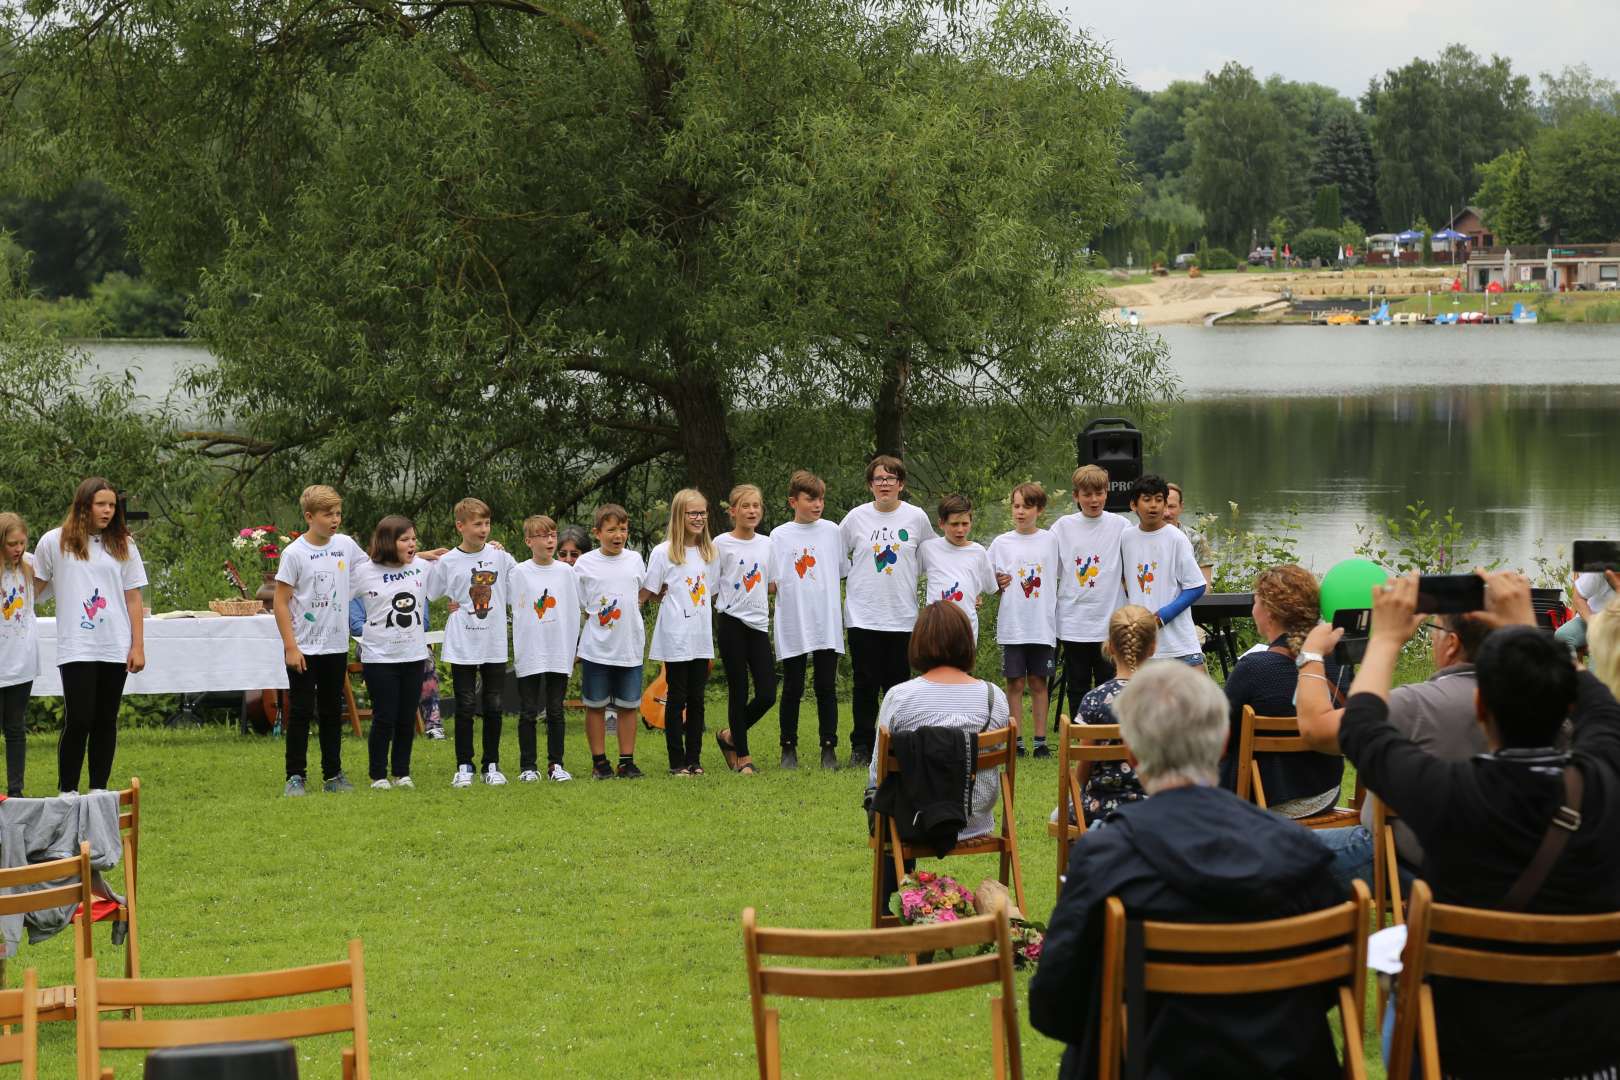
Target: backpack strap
x: 1566, y: 821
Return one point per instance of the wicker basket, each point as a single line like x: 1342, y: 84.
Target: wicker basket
x: 236, y: 607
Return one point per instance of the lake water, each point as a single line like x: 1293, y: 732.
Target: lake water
x: 1518, y: 428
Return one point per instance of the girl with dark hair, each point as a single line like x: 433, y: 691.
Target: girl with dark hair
x: 98, y: 575
x: 393, y: 648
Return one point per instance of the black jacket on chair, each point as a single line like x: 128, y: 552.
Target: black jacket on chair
x: 932, y: 796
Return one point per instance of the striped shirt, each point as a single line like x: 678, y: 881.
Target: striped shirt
x: 920, y: 703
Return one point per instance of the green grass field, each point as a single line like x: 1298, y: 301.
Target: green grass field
x: 580, y: 929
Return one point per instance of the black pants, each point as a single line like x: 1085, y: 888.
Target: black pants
x: 880, y: 663
x: 14, y: 719
x: 316, y: 692
x: 542, y: 691
x: 396, y: 690
x: 91, y: 693
x: 745, y: 652
x: 1084, y: 667
x: 826, y: 685
x: 466, y: 679
x: 683, y: 712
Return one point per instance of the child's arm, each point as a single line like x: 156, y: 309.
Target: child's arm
x: 289, y: 641
x: 1182, y: 602
x: 1578, y: 601
x: 137, y: 631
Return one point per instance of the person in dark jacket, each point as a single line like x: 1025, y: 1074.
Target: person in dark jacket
x: 1482, y: 820
x: 1193, y: 852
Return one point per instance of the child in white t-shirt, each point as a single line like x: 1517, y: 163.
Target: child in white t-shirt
x: 1590, y: 595
x: 545, y: 636
x: 681, y: 577
x: 742, y: 623
x: 808, y: 566
x: 612, y: 642
x: 956, y: 569
x: 475, y: 575
x: 393, y: 586
x: 1090, y: 583
x: 1161, y: 573
x: 1026, y: 565
x: 19, y: 646
x: 311, y: 607
x: 880, y: 540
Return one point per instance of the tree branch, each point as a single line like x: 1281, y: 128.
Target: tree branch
x: 603, y: 479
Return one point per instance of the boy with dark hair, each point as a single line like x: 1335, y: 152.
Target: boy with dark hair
x: 1161, y: 573
x: 956, y: 569
x: 1026, y: 563
x: 808, y: 565
x: 614, y: 641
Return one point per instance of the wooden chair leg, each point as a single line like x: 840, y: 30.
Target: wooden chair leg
x: 771, y: 1067
x: 998, y: 1040
x: 352, y: 704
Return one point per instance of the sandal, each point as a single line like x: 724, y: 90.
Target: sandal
x: 747, y: 769
x: 680, y: 772
x: 694, y: 770
x: 727, y: 748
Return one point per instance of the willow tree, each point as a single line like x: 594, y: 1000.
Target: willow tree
x: 528, y: 247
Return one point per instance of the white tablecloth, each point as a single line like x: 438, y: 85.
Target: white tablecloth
x: 189, y: 656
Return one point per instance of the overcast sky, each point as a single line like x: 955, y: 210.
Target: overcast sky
x: 1160, y: 41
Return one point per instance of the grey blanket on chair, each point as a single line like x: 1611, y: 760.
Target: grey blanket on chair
x: 39, y: 830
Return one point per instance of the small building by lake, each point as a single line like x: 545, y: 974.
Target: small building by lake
x: 1555, y: 267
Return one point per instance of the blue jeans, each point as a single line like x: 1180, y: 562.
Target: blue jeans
x: 1572, y: 634
x: 1352, y: 849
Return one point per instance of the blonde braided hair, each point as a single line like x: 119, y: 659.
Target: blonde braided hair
x: 1290, y: 595
x: 1133, y: 633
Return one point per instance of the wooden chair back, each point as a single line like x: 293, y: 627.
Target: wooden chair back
x: 1327, y: 947
x: 1493, y: 947
x: 19, y: 1013
x: 1080, y: 746
x: 996, y: 750
x: 75, y: 876
x: 1386, y: 866
x: 1280, y: 735
x: 993, y: 968
x: 98, y: 995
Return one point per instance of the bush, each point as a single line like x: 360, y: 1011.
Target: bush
x: 1099, y: 261
x: 131, y: 307
x: 1317, y: 244
x: 1217, y: 259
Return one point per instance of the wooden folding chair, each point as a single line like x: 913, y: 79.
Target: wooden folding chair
x: 1501, y: 947
x: 1327, y: 947
x: 996, y: 750
x: 1280, y: 735
x: 99, y: 996
x: 1386, y: 877
x: 20, y: 1009
x: 1079, y: 747
x: 53, y: 1002
x: 988, y: 969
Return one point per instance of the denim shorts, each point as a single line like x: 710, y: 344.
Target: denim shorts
x: 1027, y: 661
x: 605, y: 684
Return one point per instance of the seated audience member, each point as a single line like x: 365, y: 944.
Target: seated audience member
x: 1591, y: 595
x: 1203, y: 553
x: 1286, y: 606
x: 1132, y: 636
x: 1482, y: 820
x: 1192, y: 852
x: 1437, y: 715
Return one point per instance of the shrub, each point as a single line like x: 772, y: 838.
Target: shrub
x: 1317, y: 244
x: 1217, y: 258
x: 1099, y: 261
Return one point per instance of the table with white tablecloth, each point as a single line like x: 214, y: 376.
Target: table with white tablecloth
x: 190, y: 656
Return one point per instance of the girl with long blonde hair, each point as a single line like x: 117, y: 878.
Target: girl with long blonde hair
x: 19, y: 645
x: 1133, y: 634
x: 681, y: 575
x: 742, y: 623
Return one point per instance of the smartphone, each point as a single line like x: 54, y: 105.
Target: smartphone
x: 1596, y: 556
x: 1356, y: 624
x: 1451, y: 594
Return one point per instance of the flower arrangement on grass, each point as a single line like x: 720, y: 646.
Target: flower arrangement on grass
x: 935, y: 898
x: 261, y: 546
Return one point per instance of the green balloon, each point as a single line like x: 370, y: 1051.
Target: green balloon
x: 1349, y: 585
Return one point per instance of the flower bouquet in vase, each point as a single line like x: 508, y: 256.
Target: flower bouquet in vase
x: 257, y: 549
x: 926, y: 898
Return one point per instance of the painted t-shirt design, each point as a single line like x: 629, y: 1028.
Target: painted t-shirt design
x: 544, y: 603
x: 696, y: 590
x: 15, y: 598
x: 608, y: 612
x: 1030, y: 581
x: 481, y: 592
x: 325, y: 592
x: 953, y: 592
x: 1086, y: 570
x: 886, y: 545
x: 402, y: 611
x: 93, y: 608
x: 805, y: 563
x: 747, y: 582
x: 1144, y: 577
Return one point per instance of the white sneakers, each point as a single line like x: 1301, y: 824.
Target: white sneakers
x: 403, y: 782
x: 463, y: 777
x: 557, y: 773
x: 381, y: 785
x: 528, y: 776
x: 493, y: 776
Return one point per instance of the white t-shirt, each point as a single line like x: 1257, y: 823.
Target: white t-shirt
x: 1159, y: 566
x: 808, y: 562
x: 92, y: 621
x: 1594, y: 589
x: 882, y: 554
x: 475, y: 633
x: 742, y: 577
x: 685, y: 626
x: 19, y: 638
x: 1028, y: 611
x: 609, y: 592
x: 1089, y: 584
x: 958, y: 574
x: 319, y: 577
x: 545, y: 617
x: 396, y: 599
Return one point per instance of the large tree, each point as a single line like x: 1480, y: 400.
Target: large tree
x: 484, y: 244
x: 1575, y: 178
x: 1240, y: 166
x: 1344, y: 159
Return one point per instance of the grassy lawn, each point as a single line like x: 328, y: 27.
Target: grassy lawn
x: 585, y: 929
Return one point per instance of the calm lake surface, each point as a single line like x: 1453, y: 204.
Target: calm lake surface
x: 1516, y: 427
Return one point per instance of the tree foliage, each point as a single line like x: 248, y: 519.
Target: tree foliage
x: 1240, y: 159
x: 1326, y: 212
x: 1575, y: 178
x: 1344, y: 159
x: 1505, y: 198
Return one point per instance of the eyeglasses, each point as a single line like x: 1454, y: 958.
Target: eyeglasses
x: 1432, y: 625
x: 884, y: 481
x: 699, y: 514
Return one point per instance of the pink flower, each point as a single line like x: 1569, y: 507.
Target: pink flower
x: 947, y: 915
x: 245, y: 532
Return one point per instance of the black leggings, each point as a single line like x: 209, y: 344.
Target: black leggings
x: 745, y: 651
x: 465, y: 679
x: 1084, y: 667
x: 879, y: 660
x: 542, y: 691
x: 826, y: 684
x: 91, y: 693
x: 683, y: 711
x: 316, y: 692
x: 14, y: 719
x: 396, y: 690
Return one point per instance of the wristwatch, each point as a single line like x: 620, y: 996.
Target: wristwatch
x: 1307, y: 657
